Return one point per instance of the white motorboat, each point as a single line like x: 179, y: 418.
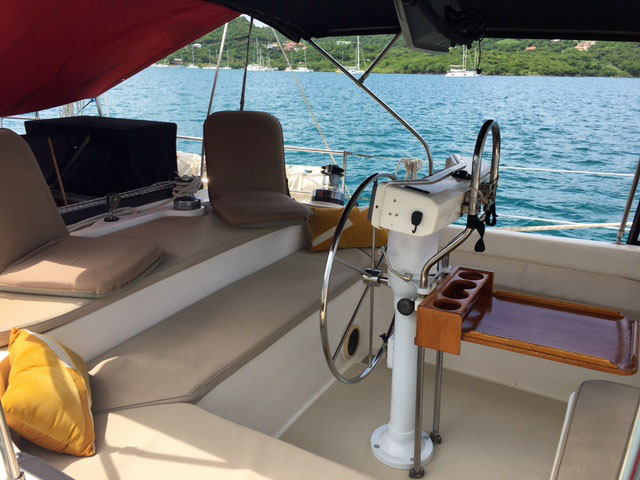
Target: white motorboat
x: 198, y: 315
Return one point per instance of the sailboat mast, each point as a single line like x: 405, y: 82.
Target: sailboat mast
x: 358, y: 52
x: 304, y: 51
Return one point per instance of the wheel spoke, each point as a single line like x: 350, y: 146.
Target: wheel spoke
x: 370, y: 277
x: 350, y: 265
x: 349, y: 325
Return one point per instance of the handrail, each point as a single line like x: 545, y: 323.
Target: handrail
x: 627, y: 208
x: 477, y: 163
x: 296, y: 148
x: 453, y: 244
x: 574, y: 172
x: 395, y: 159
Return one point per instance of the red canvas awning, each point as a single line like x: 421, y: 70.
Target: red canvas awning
x: 58, y: 51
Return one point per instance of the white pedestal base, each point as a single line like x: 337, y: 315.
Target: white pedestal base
x: 395, y: 452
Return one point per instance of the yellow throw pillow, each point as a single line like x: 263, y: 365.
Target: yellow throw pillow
x: 5, y: 366
x: 357, y: 232
x: 48, y: 400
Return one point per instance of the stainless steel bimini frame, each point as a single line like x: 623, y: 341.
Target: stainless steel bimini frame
x: 360, y: 83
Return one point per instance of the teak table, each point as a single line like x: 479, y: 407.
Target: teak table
x: 465, y: 307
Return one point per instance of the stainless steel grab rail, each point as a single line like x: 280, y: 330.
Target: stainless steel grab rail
x: 477, y: 163
x: 474, y: 193
x: 627, y: 209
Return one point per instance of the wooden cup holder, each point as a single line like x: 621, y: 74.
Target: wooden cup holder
x: 441, y: 314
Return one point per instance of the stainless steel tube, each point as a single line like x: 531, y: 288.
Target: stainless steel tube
x: 379, y: 100
x: 98, y: 106
x: 453, y: 244
x: 246, y: 64
x: 8, y: 455
x: 477, y: 161
x: 627, y: 209
x: 437, y: 395
x: 213, y: 90
x: 417, y: 471
x: 379, y: 57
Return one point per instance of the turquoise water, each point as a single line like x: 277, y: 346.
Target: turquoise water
x: 566, y: 123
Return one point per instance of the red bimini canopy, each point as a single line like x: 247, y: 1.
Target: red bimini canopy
x: 58, y: 51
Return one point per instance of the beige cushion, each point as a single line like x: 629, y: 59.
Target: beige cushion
x: 81, y: 267
x: 28, y: 215
x: 598, y: 431
x: 246, y: 170
x: 244, y: 151
x: 185, y: 356
x: 260, y: 209
x: 183, y: 441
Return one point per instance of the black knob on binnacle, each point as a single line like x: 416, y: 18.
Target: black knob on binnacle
x: 406, y: 306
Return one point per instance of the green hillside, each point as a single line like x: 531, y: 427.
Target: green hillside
x: 498, y: 56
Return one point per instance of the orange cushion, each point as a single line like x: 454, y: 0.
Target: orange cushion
x: 357, y: 233
x: 48, y: 400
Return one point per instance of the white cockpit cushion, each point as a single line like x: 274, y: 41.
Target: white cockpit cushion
x: 184, y: 441
x: 597, y: 431
x: 81, y: 267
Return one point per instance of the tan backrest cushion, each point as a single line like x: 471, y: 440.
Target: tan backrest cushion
x: 244, y: 151
x: 28, y: 215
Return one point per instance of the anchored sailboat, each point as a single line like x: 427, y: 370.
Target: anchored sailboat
x: 461, y: 70
x: 356, y: 70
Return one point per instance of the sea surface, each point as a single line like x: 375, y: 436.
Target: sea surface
x: 586, y: 124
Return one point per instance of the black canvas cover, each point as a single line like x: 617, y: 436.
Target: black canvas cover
x: 100, y: 155
x: 568, y: 19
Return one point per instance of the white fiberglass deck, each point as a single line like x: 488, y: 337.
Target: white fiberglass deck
x: 489, y: 431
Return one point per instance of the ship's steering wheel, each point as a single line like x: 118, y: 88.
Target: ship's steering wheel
x: 371, y: 277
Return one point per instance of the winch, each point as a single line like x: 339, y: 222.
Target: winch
x: 330, y: 191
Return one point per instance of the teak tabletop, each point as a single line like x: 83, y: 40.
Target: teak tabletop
x: 590, y: 337
x: 465, y: 307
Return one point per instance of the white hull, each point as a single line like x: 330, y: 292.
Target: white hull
x: 461, y: 73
